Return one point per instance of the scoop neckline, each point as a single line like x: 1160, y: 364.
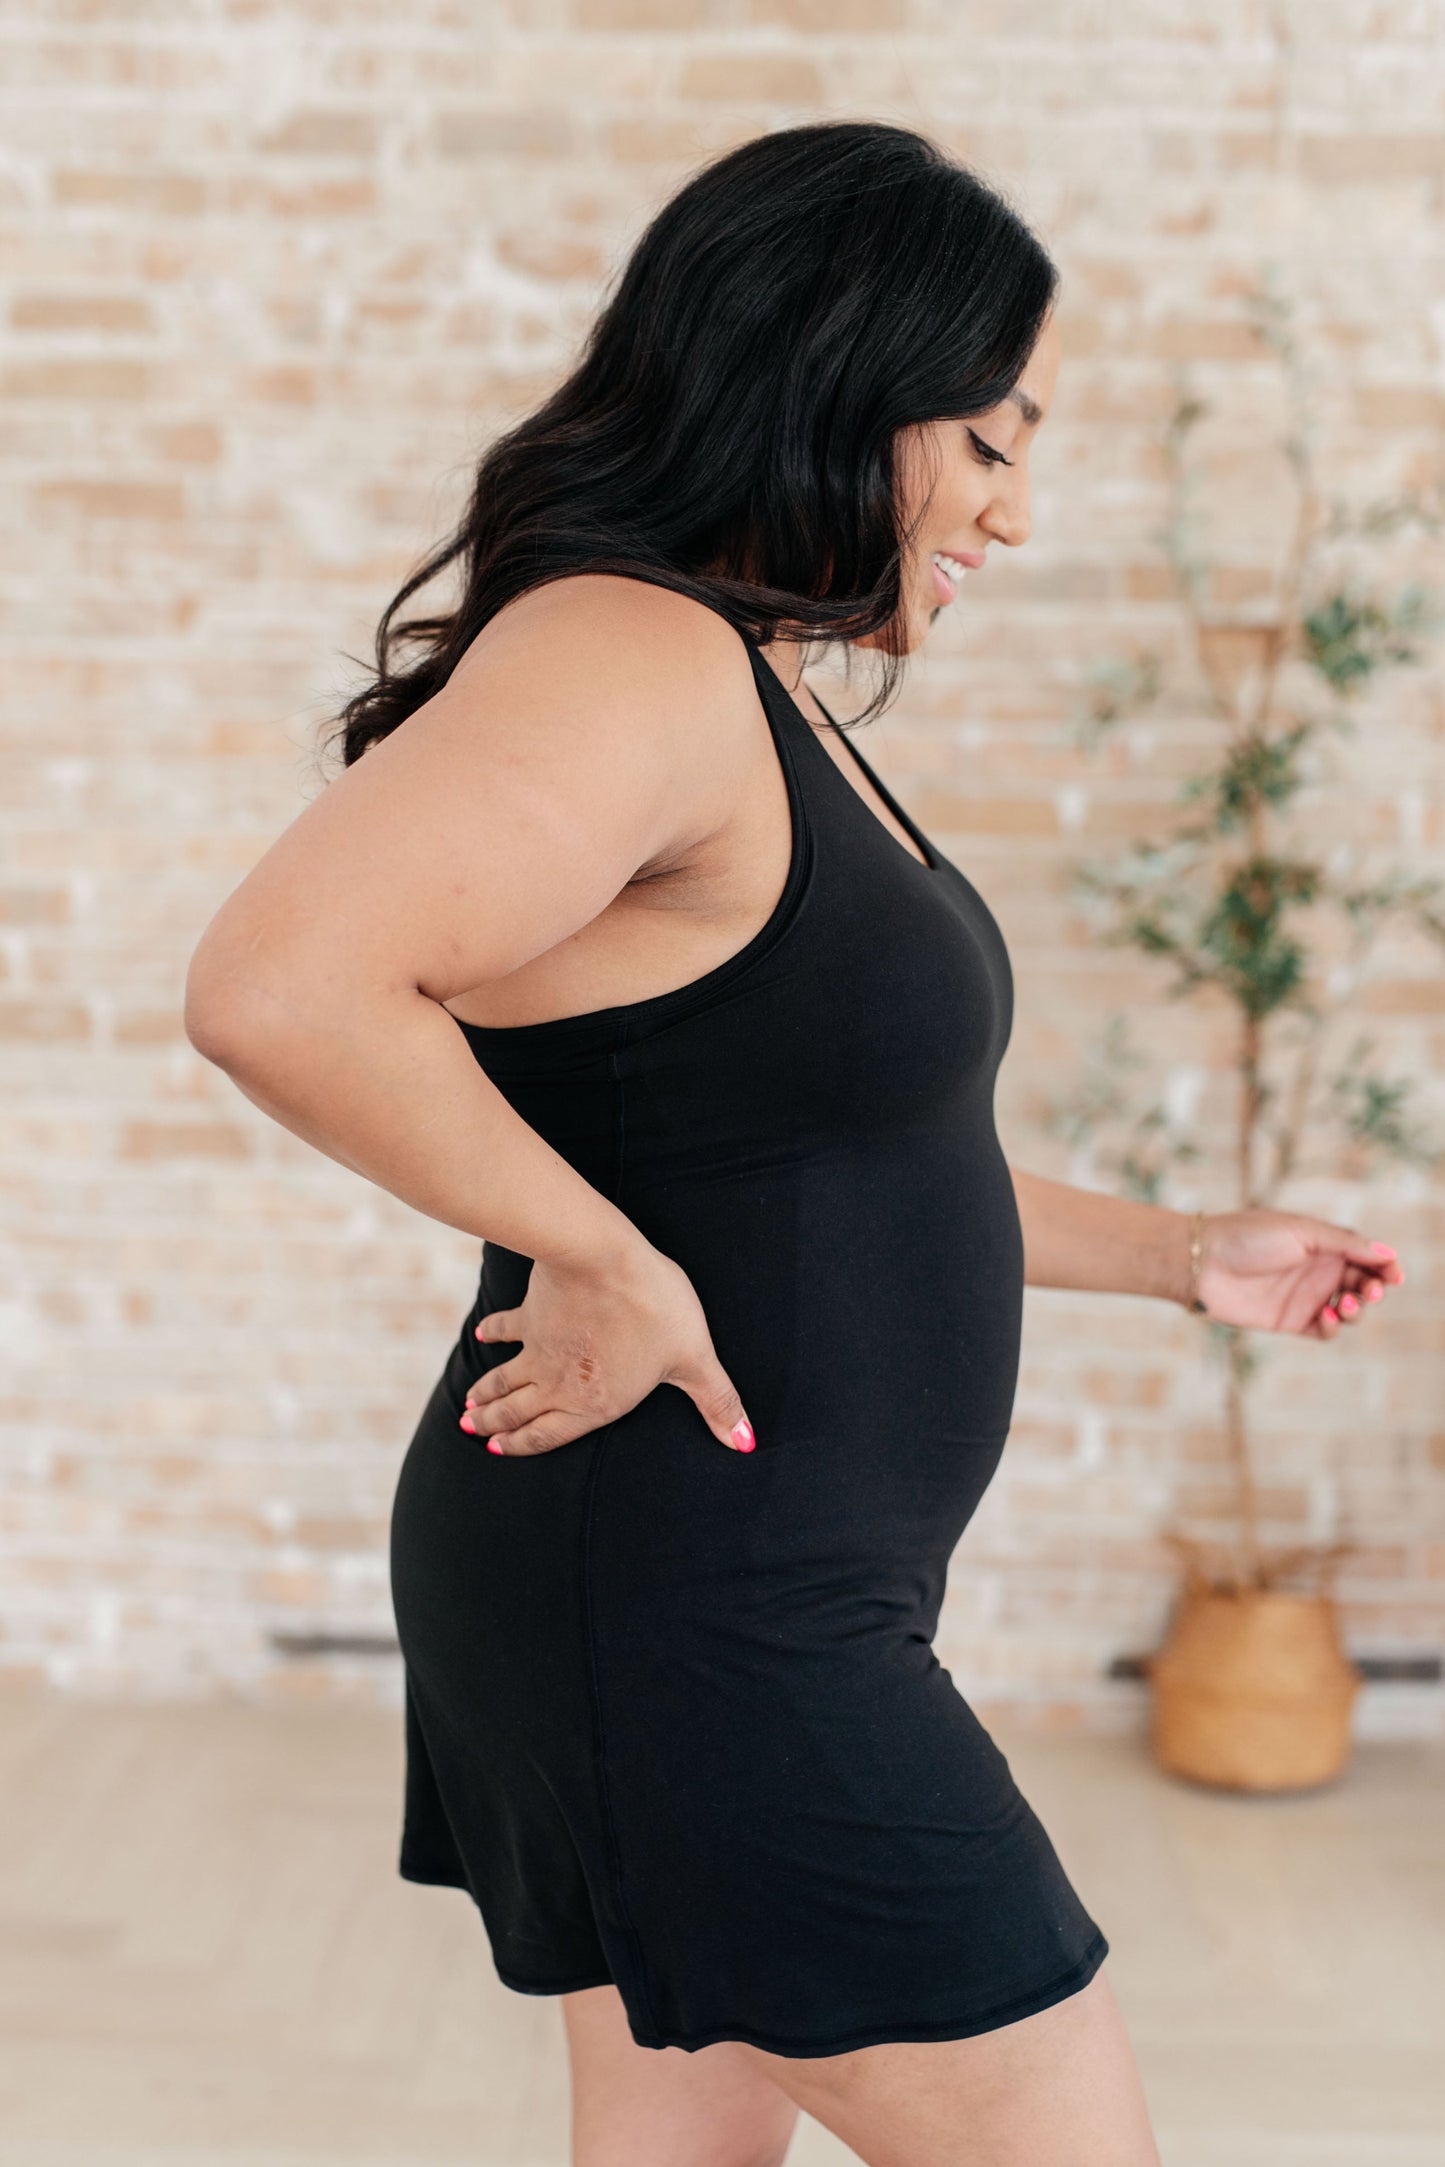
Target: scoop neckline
x: 931, y: 862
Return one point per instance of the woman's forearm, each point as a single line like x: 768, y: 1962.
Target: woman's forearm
x: 390, y: 1088
x: 1106, y: 1244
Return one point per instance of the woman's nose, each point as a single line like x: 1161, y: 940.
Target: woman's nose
x: 1007, y: 518
x: 1008, y: 521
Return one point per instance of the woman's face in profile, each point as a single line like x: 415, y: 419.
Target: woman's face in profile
x: 981, y: 492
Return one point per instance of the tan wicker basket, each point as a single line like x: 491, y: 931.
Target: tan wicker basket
x: 1252, y: 1690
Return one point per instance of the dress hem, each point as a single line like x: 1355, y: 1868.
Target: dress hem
x: 998, y: 2014
x: 1057, y: 1989
x: 575, y: 1985
x: 432, y: 1877
x: 439, y: 1878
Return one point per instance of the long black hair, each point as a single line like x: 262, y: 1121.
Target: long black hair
x: 729, y: 428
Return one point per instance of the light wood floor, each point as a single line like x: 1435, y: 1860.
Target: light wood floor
x: 208, y: 1960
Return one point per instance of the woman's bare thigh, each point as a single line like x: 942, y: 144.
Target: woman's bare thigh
x: 1059, y: 2089
x: 638, y: 2106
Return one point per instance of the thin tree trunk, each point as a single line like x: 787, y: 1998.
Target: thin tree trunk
x: 1241, y: 1459
x: 1246, y: 1496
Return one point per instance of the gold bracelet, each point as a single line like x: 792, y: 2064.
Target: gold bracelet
x: 1196, y: 1258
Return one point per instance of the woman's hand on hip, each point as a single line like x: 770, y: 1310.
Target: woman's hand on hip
x: 594, y: 1341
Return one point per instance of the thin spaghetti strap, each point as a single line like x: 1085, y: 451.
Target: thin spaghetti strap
x: 932, y: 859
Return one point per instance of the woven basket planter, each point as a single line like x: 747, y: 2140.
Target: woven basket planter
x: 1252, y: 1690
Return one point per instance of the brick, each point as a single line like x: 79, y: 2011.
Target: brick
x: 104, y: 499
x: 546, y: 256
x: 1254, y: 150
x: 190, y: 443
x: 334, y: 1533
x: 272, y: 196
x: 1349, y: 161
x: 49, y: 1023
x: 295, y: 385
x: 656, y: 15
x: 155, y: 194
x: 324, y: 133
x: 761, y: 79
x: 76, y: 379
x: 34, y: 906
x: 149, y: 1027
x: 831, y: 18
x: 543, y: 132
x: 1399, y: 406
x: 1197, y: 339
x: 58, y: 310
x: 980, y: 815
x: 654, y: 142
x: 151, y: 1140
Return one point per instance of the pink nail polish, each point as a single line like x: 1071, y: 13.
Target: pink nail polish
x: 1382, y: 1249
x: 1348, y: 1305
x: 743, y: 1437
x: 467, y: 1422
x: 493, y: 1446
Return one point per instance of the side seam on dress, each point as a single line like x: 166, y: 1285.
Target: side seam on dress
x: 599, y: 1744
x: 594, y: 1688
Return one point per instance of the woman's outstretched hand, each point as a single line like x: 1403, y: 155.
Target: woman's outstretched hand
x: 1279, y: 1271
x: 596, y: 1339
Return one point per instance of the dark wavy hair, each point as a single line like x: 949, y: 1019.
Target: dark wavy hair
x: 729, y: 429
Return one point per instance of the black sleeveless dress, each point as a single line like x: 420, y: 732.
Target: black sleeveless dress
x: 673, y: 1715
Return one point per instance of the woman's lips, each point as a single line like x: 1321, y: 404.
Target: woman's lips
x: 949, y: 572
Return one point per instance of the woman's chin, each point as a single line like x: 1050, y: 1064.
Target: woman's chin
x: 920, y: 625
x: 923, y: 625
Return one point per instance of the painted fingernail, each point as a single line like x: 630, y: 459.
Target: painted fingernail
x: 476, y: 1331
x: 1382, y: 1249
x: 493, y: 1446
x: 742, y: 1436
x: 1348, y: 1305
x: 467, y: 1422
x: 1374, y: 1292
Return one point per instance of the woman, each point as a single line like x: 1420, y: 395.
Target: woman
x: 609, y: 947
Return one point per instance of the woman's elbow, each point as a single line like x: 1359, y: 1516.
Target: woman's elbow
x: 225, y: 1010
x: 211, y: 1017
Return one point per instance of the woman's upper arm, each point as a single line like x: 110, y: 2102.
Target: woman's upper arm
x: 573, y: 744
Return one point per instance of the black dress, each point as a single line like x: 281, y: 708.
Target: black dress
x: 673, y: 1715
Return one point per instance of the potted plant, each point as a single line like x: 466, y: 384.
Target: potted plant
x: 1251, y: 1688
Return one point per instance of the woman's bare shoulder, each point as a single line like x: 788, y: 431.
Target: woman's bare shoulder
x: 593, y: 728
x: 614, y: 629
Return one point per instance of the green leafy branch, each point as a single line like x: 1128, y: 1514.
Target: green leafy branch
x: 1223, y: 901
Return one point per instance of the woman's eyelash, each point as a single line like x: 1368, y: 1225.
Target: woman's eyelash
x: 990, y: 453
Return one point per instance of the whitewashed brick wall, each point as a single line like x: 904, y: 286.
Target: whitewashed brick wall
x: 271, y: 274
